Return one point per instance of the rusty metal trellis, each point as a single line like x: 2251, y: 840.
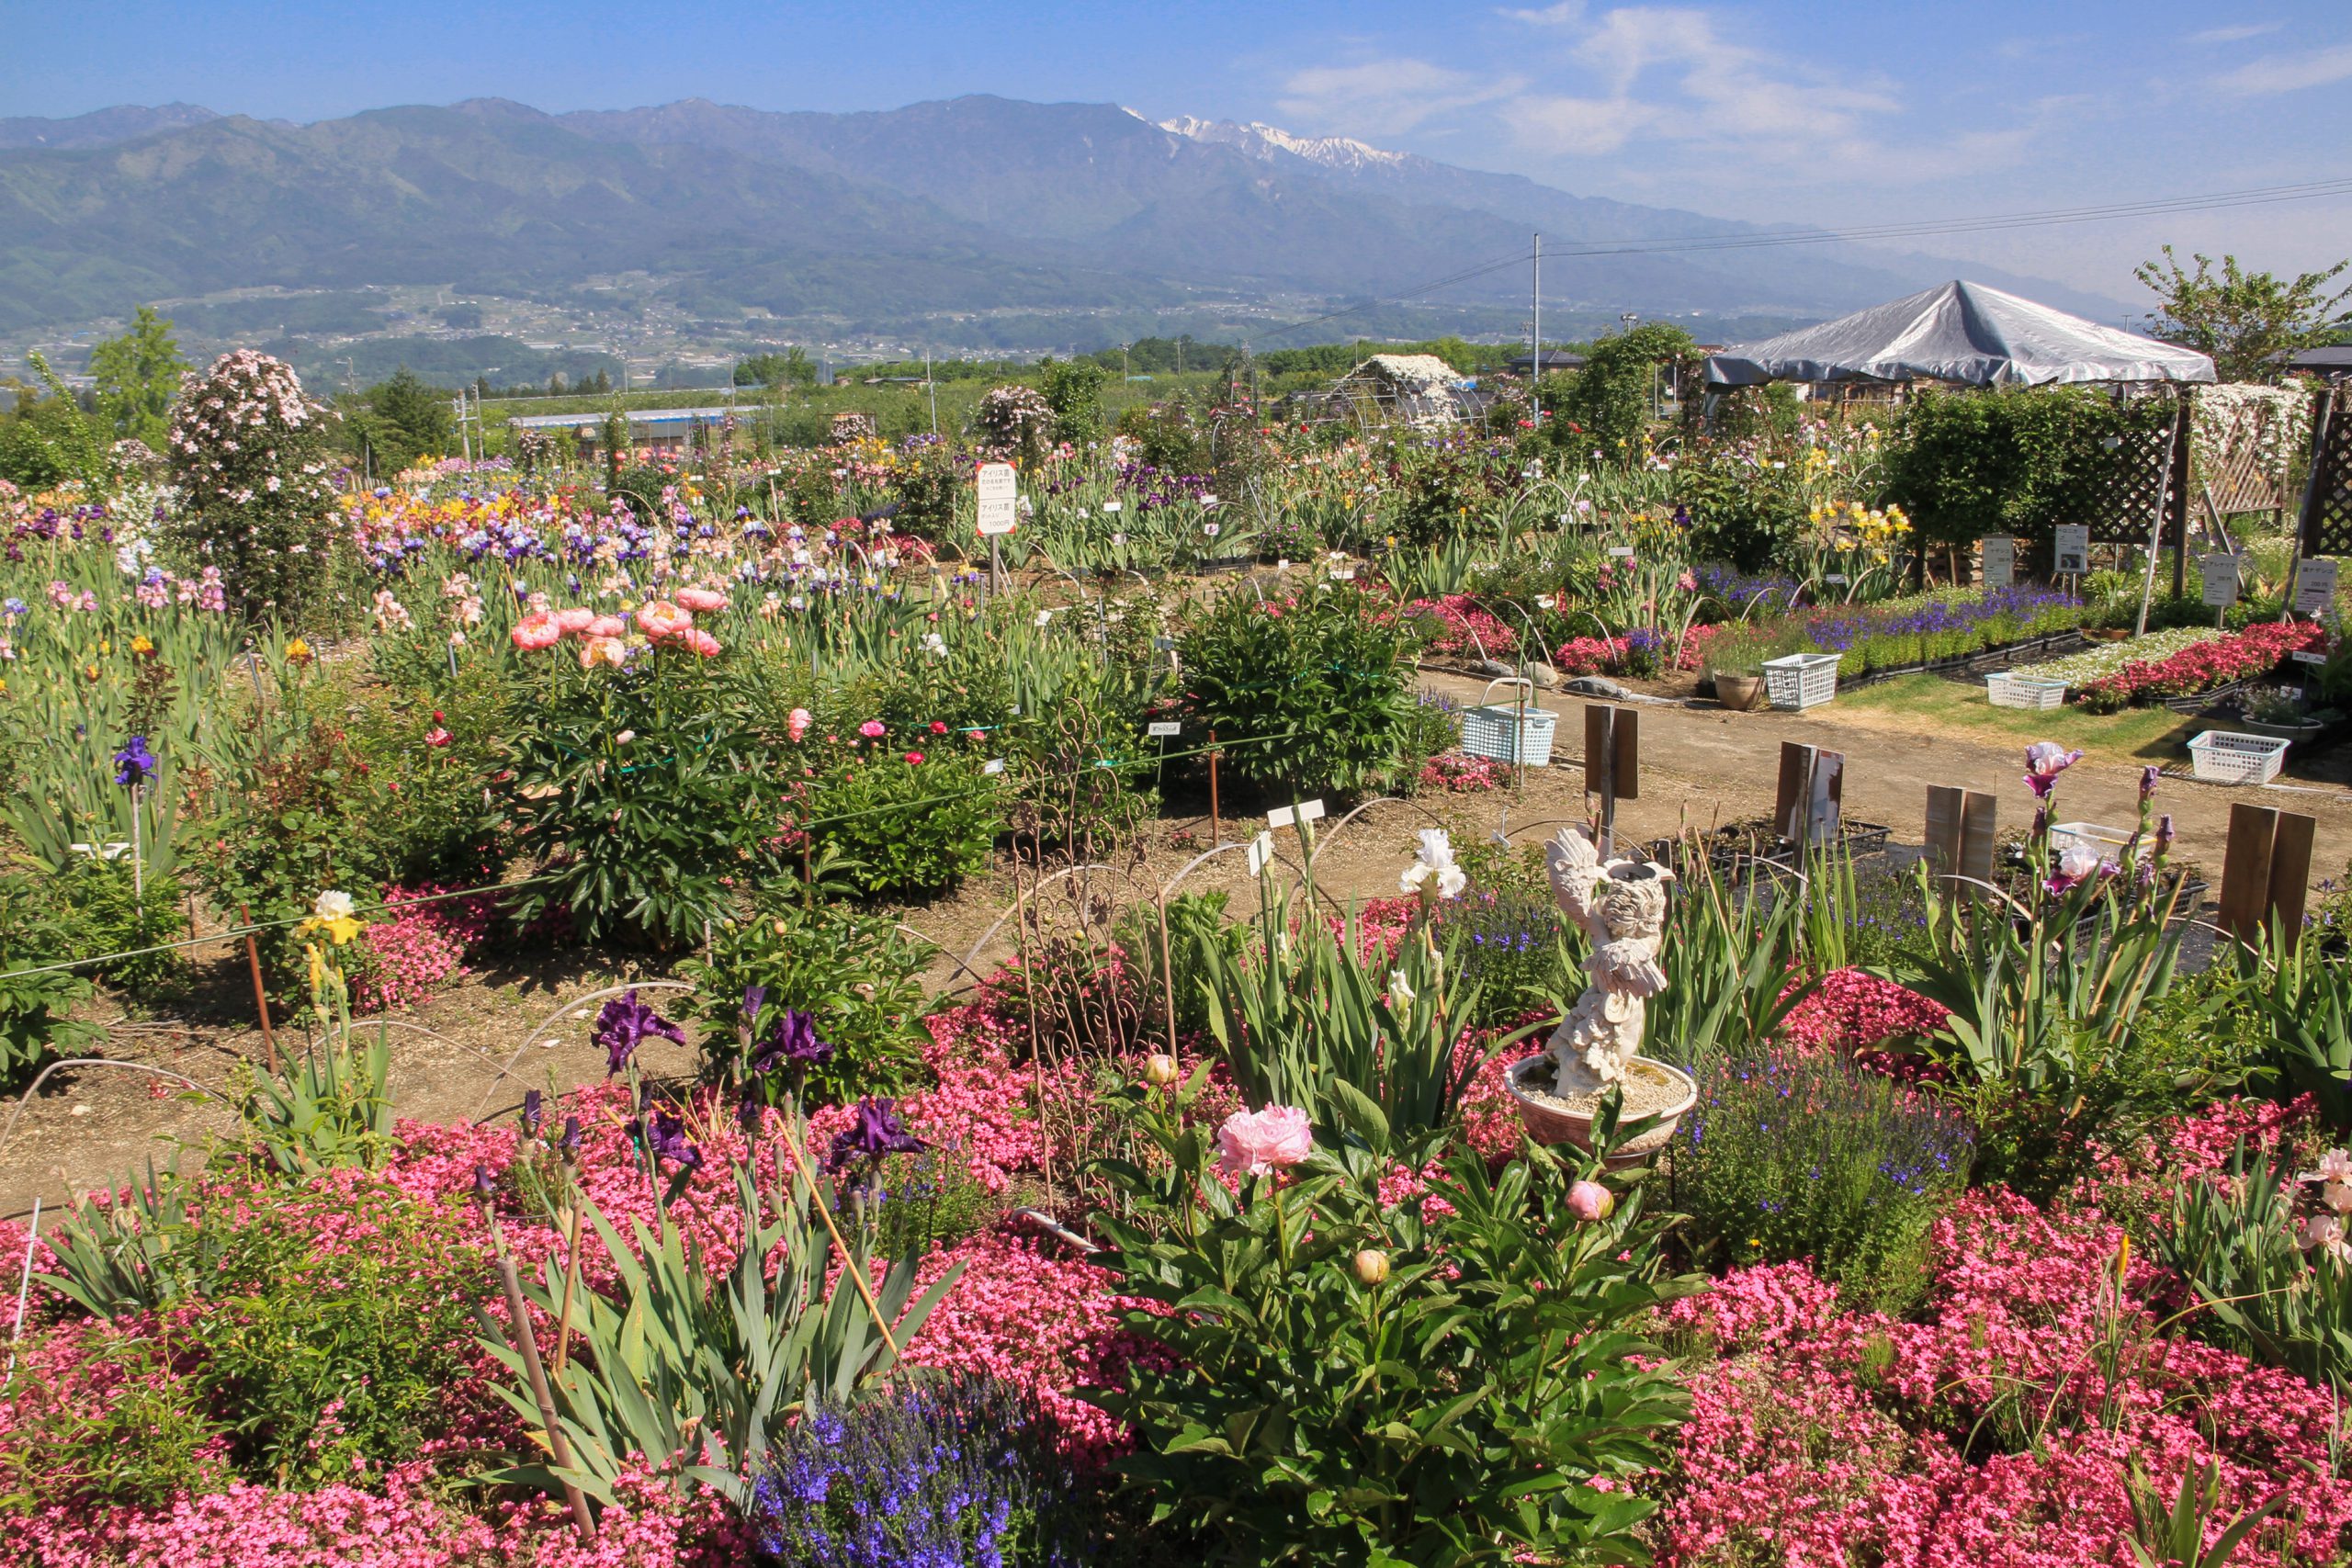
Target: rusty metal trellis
x: 2325, y: 526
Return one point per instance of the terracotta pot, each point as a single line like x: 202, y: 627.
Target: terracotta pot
x: 1741, y: 694
x: 1550, y: 1124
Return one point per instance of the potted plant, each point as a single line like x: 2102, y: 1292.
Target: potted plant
x: 2281, y: 713
x: 1595, y: 1052
x: 1735, y: 662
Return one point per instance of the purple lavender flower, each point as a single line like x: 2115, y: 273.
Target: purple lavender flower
x: 623, y: 1023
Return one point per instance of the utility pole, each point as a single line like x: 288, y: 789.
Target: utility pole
x: 930, y: 385
x: 1535, y: 331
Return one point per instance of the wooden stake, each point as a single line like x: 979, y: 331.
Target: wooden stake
x: 1216, y: 826
x: 527, y: 1346
x: 261, y: 993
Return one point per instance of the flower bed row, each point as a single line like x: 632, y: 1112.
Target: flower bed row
x: 2108, y: 659
x: 2203, y: 666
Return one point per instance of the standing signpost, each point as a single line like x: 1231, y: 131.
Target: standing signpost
x: 1613, y: 762
x: 2220, y: 577
x: 999, y: 514
x: 1999, y: 556
x: 2071, y: 550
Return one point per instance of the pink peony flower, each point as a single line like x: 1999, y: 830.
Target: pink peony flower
x: 871, y: 729
x: 914, y: 759
x: 601, y: 650
x: 606, y: 626
x: 1251, y: 1143
x: 702, y: 600
x: 575, y: 620
x: 705, y: 645
x: 536, y: 631
x: 661, y: 620
x: 1591, y: 1202
x: 798, y: 725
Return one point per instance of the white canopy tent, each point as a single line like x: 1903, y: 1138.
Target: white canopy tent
x: 1963, y: 332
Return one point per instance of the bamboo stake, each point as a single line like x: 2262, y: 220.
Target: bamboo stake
x: 527, y: 1346
x: 850, y: 1265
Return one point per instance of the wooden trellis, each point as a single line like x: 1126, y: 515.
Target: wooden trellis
x: 2326, y: 521
x: 2146, y: 482
x: 2239, y: 476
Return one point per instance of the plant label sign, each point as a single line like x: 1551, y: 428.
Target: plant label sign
x: 1836, y: 579
x: 1284, y: 815
x: 1164, y: 727
x: 998, y: 517
x: 2221, y: 574
x: 2315, y: 586
x: 2308, y: 657
x: 1623, y: 552
x: 2072, y: 549
x: 1261, y: 854
x: 1999, y: 561
x: 996, y: 481
x: 994, y: 765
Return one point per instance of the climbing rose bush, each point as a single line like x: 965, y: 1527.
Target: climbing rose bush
x: 248, y: 452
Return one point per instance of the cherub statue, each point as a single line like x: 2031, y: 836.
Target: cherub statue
x: 1621, y: 904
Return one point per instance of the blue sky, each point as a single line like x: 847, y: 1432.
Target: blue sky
x: 1825, y: 112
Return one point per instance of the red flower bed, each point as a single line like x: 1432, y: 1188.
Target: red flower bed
x: 1460, y: 628
x: 2202, y: 667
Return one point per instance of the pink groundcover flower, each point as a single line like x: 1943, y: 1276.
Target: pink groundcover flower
x: 1251, y: 1143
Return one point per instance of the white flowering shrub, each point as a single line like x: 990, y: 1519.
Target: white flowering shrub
x: 248, y: 455
x: 1016, y: 420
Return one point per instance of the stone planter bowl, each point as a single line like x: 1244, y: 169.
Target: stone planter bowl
x: 1740, y: 693
x: 1550, y: 1124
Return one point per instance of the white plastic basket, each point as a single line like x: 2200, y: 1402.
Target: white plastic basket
x: 2007, y: 690
x: 1500, y: 731
x: 2109, y: 841
x: 2224, y: 756
x: 1801, y: 681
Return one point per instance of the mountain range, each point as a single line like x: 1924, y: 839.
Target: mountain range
x: 977, y: 205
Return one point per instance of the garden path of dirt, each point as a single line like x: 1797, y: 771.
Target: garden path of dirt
x: 1699, y: 765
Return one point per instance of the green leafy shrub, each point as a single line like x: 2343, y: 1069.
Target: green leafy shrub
x: 1385, y: 1382
x: 1510, y: 945
x: 317, y: 1352
x: 2013, y: 461
x: 1307, y: 696
x: 639, y: 794
x: 1195, y: 921
x: 854, y: 973
x: 35, y: 1020
x: 906, y: 828
x: 1793, y: 1154
x: 1607, y: 407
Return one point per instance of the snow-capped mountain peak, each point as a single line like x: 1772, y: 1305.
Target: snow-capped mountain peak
x: 1258, y: 141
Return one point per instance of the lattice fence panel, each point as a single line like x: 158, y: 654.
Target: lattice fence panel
x: 2121, y: 504
x: 2327, y: 506
x: 2240, y: 475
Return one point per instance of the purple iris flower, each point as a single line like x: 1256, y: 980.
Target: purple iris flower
x: 623, y: 1023
x: 134, y: 765
x: 534, y: 1112
x: 876, y: 1132
x: 665, y: 1135
x: 791, y: 1038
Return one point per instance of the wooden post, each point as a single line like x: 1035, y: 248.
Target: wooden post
x: 2265, y: 872
x: 1959, y: 837
x: 2177, y: 488
x: 261, y: 992
x: 1613, y: 762
x: 1811, y: 791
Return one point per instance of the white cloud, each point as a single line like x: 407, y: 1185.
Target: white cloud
x: 2288, y: 72
x: 1586, y: 127
x: 2237, y: 34
x: 1384, y: 98
x: 1564, y: 14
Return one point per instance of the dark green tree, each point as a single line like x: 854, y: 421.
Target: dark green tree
x: 404, y: 418
x: 1073, y: 391
x: 793, y: 368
